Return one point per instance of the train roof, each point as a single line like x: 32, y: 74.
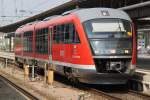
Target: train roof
x: 92, y: 13
x: 86, y: 14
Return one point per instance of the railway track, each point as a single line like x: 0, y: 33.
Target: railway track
x: 24, y: 92
x: 129, y: 95
x: 111, y: 93
x: 126, y: 95
x: 94, y: 92
x: 140, y: 95
x: 101, y: 94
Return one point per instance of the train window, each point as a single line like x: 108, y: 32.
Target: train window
x: 41, y: 41
x: 118, y: 28
x: 61, y: 34
x: 67, y: 34
x: 18, y: 39
x: 55, y: 29
x: 74, y: 38
x: 56, y: 34
x: 27, y: 41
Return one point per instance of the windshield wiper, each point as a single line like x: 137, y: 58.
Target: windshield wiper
x: 118, y: 27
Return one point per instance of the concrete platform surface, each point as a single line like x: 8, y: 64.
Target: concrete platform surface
x: 141, y: 80
x: 43, y: 91
x: 9, y: 93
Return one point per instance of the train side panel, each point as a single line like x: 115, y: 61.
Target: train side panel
x: 75, y: 54
x: 18, y: 43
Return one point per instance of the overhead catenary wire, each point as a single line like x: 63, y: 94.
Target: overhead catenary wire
x: 2, y: 9
x: 13, y: 16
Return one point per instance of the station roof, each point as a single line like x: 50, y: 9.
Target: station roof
x: 54, y: 11
x: 135, y: 8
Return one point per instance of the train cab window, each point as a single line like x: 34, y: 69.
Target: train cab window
x: 74, y: 38
x: 41, y: 41
x: 65, y: 33
x: 27, y: 41
x: 70, y: 34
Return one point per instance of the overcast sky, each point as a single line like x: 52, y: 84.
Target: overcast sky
x: 14, y: 10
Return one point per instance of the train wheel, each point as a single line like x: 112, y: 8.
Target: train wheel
x: 74, y: 80
x: 68, y: 73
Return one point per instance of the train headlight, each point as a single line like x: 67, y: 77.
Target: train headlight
x: 126, y: 51
x: 99, y: 52
x: 96, y: 52
x: 112, y: 51
x: 129, y: 33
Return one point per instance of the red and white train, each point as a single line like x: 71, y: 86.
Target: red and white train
x: 95, y: 45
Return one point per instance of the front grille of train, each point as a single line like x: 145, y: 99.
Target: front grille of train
x: 111, y: 65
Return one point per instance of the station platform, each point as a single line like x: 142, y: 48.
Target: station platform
x: 141, y: 80
x: 7, y: 92
x: 142, y: 71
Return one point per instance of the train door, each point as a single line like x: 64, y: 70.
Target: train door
x: 71, y: 41
x: 67, y: 43
x: 56, y: 43
x: 75, y: 44
x: 57, y: 47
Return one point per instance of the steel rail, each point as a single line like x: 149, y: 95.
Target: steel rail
x: 27, y: 94
x: 103, y: 94
x: 111, y: 97
x: 142, y: 95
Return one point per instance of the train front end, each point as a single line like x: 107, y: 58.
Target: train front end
x: 112, y: 41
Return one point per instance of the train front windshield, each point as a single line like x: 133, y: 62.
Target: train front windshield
x: 109, y: 36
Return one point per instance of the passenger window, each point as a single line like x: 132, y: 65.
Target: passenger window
x: 27, y: 41
x: 56, y: 36
x: 41, y: 41
x: 61, y: 34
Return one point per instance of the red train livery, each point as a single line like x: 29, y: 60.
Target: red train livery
x: 95, y: 45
